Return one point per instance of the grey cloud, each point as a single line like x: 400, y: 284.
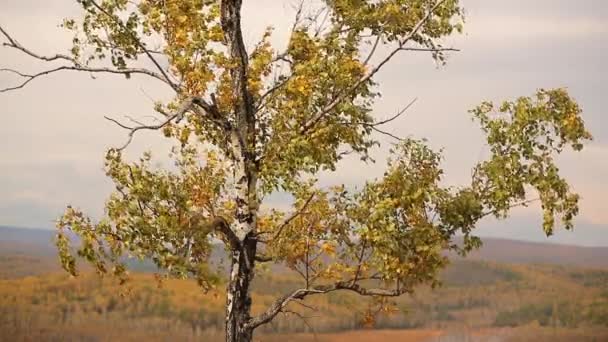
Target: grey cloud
x: 53, y: 133
x: 538, y: 8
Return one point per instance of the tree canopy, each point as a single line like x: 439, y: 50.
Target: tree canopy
x: 249, y: 121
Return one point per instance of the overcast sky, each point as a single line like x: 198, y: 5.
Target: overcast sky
x: 53, y: 135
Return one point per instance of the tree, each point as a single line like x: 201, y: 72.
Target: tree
x: 250, y: 123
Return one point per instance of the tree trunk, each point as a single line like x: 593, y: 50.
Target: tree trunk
x: 238, y: 300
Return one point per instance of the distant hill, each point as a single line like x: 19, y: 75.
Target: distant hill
x: 39, y: 243
x: 498, y: 289
x: 523, y: 252
x: 40, y: 240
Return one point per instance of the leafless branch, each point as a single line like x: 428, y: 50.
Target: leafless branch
x: 428, y: 49
x: 360, y: 262
x: 396, y: 116
x: 280, y: 304
x: 75, y: 65
x: 374, y: 125
x: 373, y: 51
x: 388, y: 134
x: 184, y: 107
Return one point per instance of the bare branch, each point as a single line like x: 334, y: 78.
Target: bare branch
x: 189, y: 104
x: 303, y: 318
x: 360, y: 262
x: 373, y: 51
x: 75, y: 65
x: 429, y: 49
x: 396, y: 116
x: 280, y: 304
x: 374, y: 125
x: 12, y: 42
x: 388, y: 134
x: 184, y: 107
x: 31, y: 77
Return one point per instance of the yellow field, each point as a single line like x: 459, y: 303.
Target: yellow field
x: 532, y: 333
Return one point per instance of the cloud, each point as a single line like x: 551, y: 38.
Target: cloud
x: 53, y: 134
x: 500, y: 27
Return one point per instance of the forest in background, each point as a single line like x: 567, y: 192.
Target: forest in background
x: 478, y: 299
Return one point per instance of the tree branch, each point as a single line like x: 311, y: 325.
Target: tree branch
x: 344, y: 94
x: 185, y: 106
x: 76, y: 65
x: 139, y: 43
x: 374, y: 125
x: 263, y: 258
x: 280, y: 304
x: 394, y: 117
x: 429, y: 49
x: 292, y: 217
x: 218, y: 224
x: 373, y: 51
x: 523, y: 203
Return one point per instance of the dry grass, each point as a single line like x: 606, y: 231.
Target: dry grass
x: 357, y: 336
x: 532, y: 333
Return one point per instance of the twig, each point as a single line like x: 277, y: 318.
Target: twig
x: 348, y: 92
x: 293, y: 216
x: 184, y: 107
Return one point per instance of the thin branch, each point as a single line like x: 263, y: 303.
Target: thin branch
x: 293, y: 216
x: 279, y: 305
x: 396, y: 116
x: 139, y: 43
x: 374, y: 125
x: 76, y: 65
x: 184, y: 107
x: 523, y: 203
x: 31, y: 77
x: 429, y: 49
x: 360, y: 262
x: 12, y: 42
x: 271, y: 91
x: 389, y: 134
x: 344, y: 94
x: 309, y: 307
x: 373, y: 51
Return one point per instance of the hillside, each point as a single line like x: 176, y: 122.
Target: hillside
x: 476, y: 296
x: 509, y: 289
x: 512, y: 251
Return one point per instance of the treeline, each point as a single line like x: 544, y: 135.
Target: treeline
x: 563, y: 314
x: 480, y: 294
